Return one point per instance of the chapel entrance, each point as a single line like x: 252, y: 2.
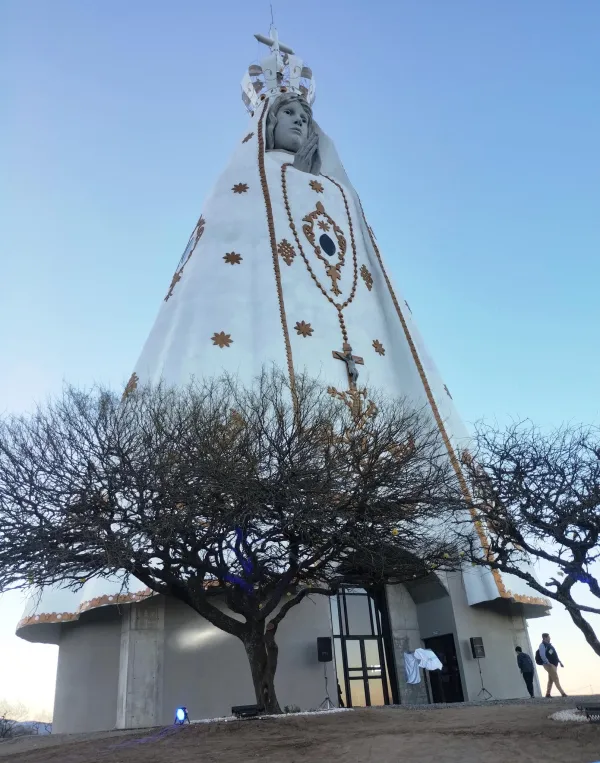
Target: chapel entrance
x: 361, y: 648
x: 446, y: 685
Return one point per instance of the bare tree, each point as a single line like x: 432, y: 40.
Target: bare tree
x: 257, y: 497
x: 11, y: 716
x: 538, y: 495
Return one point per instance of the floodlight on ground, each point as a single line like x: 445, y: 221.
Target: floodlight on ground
x: 181, y: 716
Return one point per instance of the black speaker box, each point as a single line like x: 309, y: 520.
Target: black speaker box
x: 477, y: 647
x: 324, y: 650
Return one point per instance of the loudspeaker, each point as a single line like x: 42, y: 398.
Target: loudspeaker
x: 324, y: 651
x: 477, y: 647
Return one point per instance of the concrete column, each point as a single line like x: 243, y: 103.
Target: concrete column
x: 406, y: 637
x: 139, y: 698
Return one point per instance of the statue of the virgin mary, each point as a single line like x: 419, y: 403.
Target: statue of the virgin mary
x: 282, y: 268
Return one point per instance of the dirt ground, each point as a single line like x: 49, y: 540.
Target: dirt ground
x: 461, y: 734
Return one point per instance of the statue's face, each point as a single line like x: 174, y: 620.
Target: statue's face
x: 291, y: 130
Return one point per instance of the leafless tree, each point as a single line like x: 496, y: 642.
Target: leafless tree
x: 11, y: 716
x: 257, y: 497
x: 537, y: 495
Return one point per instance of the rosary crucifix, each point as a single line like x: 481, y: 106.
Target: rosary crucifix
x: 351, y: 362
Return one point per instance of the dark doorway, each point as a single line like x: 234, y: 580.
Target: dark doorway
x: 446, y: 685
x: 363, y: 671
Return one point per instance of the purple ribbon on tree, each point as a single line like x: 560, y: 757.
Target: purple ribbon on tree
x: 245, y: 564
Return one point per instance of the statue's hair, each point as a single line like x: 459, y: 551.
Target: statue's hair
x: 279, y: 103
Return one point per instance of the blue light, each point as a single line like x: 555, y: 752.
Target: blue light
x: 181, y: 716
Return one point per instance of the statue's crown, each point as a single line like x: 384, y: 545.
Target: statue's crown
x: 282, y: 71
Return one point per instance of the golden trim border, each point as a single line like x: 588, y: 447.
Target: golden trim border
x: 98, y: 601
x: 95, y: 603
x: 502, y: 590
x: 273, y: 240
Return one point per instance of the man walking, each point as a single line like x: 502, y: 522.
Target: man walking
x: 549, y: 659
x: 526, y: 667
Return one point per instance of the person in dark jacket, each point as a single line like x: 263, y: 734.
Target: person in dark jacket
x: 550, y: 661
x: 525, y: 664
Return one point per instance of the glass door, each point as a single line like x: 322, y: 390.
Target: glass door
x: 362, y: 674
x: 366, y: 673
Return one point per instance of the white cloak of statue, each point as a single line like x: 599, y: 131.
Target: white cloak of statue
x: 282, y: 268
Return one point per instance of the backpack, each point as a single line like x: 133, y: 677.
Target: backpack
x: 538, y: 658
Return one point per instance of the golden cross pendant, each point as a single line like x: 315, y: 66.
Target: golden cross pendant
x: 351, y: 362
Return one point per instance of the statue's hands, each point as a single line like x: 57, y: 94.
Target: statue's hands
x: 304, y: 159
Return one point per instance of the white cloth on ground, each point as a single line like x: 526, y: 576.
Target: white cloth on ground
x: 411, y: 668
x: 428, y: 659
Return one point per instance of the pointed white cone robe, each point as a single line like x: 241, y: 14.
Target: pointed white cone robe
x: 282, y: 268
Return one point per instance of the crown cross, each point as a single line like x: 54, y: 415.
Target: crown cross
x: 273, y: 42
x: 281, y: 71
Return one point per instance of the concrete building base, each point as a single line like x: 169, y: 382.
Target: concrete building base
x: 132, y: 666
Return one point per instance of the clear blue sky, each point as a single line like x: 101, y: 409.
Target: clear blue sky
x: 469, y: 128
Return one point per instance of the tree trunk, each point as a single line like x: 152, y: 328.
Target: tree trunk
x: 583, y: 625
x: 262, y: 656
